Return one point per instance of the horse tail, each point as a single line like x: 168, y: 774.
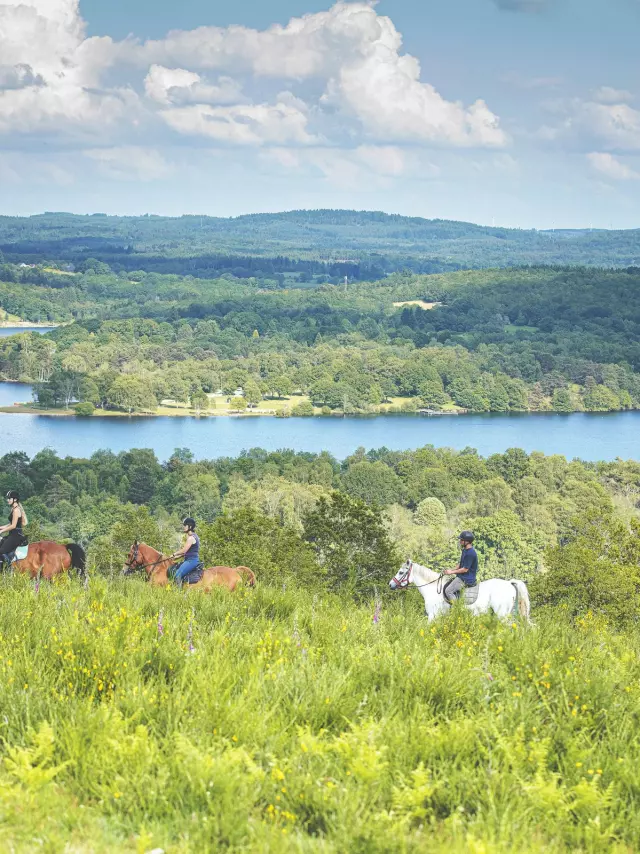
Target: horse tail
x: 245, y: 571
x: 78, y: 559
x: 522, y: 598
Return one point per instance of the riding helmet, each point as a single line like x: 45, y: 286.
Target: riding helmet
x: 467, y: 536
x: 13, y: 495
x: 189, y: 523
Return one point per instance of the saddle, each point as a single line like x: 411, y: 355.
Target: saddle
x: 19, y: 554
x: 194, y: 576
x: 471, y: 594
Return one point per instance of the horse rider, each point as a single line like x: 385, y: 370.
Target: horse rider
x: 13, y: 532
x: 466, y: 571
x: 190, y: 552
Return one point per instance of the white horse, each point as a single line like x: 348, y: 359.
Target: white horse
x: 501, y: 597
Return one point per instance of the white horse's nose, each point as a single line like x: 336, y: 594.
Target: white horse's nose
x: 392, y: 584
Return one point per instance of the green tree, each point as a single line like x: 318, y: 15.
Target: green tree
x: 131, y: 394
x: 247, y: 537
x: 431, y: 513
x: 374, y: 483
x: 599, y: 398
x: 199, y: 401
x: 351, y: 544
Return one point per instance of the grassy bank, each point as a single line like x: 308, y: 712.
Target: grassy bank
x: 220, y: 408
x: 295, y: 723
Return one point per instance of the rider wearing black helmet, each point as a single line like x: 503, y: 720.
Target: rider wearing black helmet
x: 14, y: 531
x: 190, y: 552
x: 466, y: 571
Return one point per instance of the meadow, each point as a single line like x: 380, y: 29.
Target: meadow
x: 285, y: 719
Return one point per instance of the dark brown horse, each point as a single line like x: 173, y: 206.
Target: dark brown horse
x: 48, y: 559
x: 156, y: 565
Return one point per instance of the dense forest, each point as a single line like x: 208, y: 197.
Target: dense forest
x: 526, y: 339
x: 339, y: 523
x: 303, y: 245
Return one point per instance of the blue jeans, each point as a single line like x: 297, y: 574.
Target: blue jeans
x: 185, y: 568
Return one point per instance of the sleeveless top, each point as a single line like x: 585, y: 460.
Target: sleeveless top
x: 194, y: 550
x: 20, y: 524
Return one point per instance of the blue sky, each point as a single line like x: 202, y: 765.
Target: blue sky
x: 519, y: 112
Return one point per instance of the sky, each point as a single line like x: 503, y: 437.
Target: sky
x: 521, y: 113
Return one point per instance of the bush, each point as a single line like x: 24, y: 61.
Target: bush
x: 84, y: 409
x: 598, y: 572
x: 304, y: 409
x: 247, y: 537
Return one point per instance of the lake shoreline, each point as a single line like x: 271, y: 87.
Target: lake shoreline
x: 25, y: 409
x: 27, y: 324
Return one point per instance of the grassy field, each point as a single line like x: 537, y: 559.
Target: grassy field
x: 283, y: 720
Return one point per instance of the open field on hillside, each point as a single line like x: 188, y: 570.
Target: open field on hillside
x: 285, y: 720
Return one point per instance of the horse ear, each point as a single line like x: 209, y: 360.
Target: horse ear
x: 136, y: 543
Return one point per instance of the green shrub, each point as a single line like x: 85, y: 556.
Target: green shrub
x: 84, y: 409
x: 303, y: 409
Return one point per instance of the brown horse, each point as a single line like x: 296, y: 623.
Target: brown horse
x: 48, y: 559
x: 156, y: 565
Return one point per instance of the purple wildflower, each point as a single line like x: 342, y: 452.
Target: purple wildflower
x: 160, y: 624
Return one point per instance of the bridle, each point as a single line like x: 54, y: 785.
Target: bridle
x: 133, y: 565
x: 402, y: 584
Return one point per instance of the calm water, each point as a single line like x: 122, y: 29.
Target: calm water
x: 590, y: 437
x: 5, y: 331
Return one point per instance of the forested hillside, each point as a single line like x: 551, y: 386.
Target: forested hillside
x: 534, y: 339
x: 304, y: 244
x: 310, y: 516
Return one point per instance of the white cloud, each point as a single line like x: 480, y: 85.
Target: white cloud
x: 243, y: 124
x: 179, y: 87
x: 356, y: 52
x: 609, y: 95
x: 610, y: 166
x: 126, y: 163
x: 52, y: 86
x: 589, y: 124
x: 18, y: 77
x: 351, y: 53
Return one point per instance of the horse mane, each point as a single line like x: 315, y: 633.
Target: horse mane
x: 428, y: 575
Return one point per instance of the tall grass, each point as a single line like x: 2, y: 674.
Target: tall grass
x: 281, y: 720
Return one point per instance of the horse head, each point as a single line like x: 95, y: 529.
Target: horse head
x: 402, y: 579
x: 134, y: 562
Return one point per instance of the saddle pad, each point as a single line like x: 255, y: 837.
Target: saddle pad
x: 22, y: 552
x: 195, y: 576
x: 471, y: 594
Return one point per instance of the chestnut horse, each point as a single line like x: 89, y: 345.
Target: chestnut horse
x: 50, y: 559
x: 156, y: 565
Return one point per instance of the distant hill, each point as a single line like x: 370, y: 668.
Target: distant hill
x: 361, y: 244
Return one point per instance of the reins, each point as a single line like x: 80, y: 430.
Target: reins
x: 403, y: 585
x: 133, y: 566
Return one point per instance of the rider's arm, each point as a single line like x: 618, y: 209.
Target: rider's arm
x: 189, y: 542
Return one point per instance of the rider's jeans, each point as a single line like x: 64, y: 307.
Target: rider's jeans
x: 453, y: 587
x: 188, y: 566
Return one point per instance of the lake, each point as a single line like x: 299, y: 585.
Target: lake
x: 6, y: 331
x: 588, y: 436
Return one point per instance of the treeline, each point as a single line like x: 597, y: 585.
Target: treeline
x: 309, y: 516
x: 522, y: 340
x: 377, y: 240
